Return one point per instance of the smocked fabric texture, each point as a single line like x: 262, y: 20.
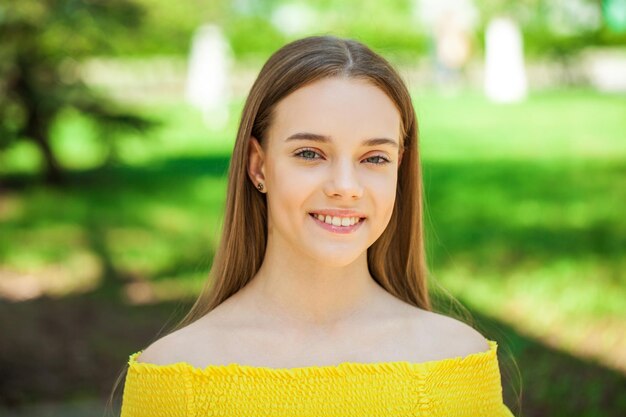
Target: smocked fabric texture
x: 454, y: 387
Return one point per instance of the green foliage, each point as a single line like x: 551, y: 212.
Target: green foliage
x: 168, y: 27
x: 65, y: 27
x: 41, y: 43
x: 542, y: 38
x: 253, y: 37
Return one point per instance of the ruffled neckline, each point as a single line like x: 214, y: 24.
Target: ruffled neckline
x: 342, y: 369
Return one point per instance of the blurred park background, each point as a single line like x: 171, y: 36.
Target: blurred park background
x: 118, y: 117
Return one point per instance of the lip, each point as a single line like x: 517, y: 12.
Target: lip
x: 339, y: 213
x: 337, y: 229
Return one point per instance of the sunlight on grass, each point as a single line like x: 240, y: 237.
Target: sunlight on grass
x: 79, y: 272
x: 77, y: 142
x: 45, y: 243
x: 549, y: 125
x: 576, y: 305
x: 183, y: 133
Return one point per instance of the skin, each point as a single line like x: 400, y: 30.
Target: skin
x: 313, y: 300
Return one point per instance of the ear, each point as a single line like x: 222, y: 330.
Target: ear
x: 256, y: 163
x: 400, y: 153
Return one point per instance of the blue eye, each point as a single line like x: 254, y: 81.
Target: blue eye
x: 384, y: 160
x: 307, y: 152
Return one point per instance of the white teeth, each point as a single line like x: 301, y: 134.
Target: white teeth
x: 337, y: 221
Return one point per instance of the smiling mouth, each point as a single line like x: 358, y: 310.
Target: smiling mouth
x: 338, y: 221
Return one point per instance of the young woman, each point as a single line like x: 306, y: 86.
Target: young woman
x: 317, y: 303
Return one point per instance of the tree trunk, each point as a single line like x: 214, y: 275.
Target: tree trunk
x: 37, y: 130
x: 38, y: 121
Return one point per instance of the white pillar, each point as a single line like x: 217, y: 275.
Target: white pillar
x: 208, y: 77
x: 505, y: 76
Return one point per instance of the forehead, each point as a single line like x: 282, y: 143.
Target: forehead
x: 343, y: 108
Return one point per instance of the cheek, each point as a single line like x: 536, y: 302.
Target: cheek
x: 291, y: 185
x: 383, y: 190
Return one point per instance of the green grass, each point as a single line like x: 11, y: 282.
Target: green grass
x: 550, y: 126
x: 524, y: 210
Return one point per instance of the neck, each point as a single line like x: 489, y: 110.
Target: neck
x: 297, y: 291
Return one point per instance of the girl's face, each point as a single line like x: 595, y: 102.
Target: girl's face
x: 332, y: 156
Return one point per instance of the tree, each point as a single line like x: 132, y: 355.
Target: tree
x: 41, y: 44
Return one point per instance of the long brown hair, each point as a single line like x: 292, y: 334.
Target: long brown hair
x: 397, y: 259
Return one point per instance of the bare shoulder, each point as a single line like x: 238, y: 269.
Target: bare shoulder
x: 212, y: 339
x: 179, y: 346
x: 163, y: 351
x: 446, y: 337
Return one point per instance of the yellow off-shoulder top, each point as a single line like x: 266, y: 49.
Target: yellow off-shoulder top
x: 454, y: 387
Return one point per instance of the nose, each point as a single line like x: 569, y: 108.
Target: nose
x: 344, y: 181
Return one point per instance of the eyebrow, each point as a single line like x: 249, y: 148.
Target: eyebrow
x: 326, y: 139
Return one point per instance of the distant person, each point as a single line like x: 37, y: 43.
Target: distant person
x: 317, y: 302
x: 450, y: 24
x: 452, y: 49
